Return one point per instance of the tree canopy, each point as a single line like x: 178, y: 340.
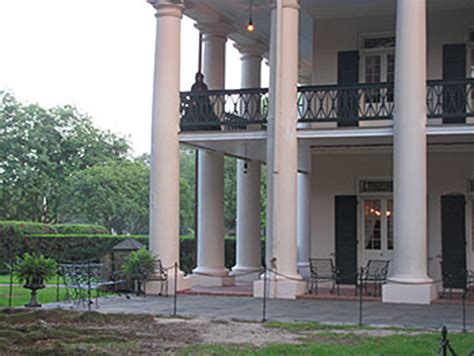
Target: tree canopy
x: 39, y: 149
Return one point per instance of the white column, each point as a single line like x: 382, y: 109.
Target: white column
x: 303, y: 230
x: 284, y: 153
x: 210, y: 268
x: 164, y: 179
x: 409, y: 282
x: 248, y: 249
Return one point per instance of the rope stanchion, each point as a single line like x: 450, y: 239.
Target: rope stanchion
x: 175, y: 288
x: 264, y: 311
x: 89, y: 298
x: 361, y: 274
x: 464, y: 292
x: 10, y: 288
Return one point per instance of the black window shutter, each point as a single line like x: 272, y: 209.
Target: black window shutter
x: 347, y: 99
x: 346, y: 237
x: 453, y: 236
x: 454, y: 96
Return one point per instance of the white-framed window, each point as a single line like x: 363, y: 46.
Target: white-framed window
x: 377, y: 65
x: 378, y: 58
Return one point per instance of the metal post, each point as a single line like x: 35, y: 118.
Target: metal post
x: 264, y: 316
x: 10, y: 290
x: 464, y: 329
x: 57, y: 285
x: 175, y: 287
x: 360, y: 295
x: 89, y: 301
x: 444, y: 340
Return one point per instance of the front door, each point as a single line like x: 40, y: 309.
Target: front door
x: 377, y: 229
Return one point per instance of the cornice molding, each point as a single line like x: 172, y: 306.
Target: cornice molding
x: 292, y: 4
x: 215, y: 29
x: 173, y: 8
x: 256, y: 49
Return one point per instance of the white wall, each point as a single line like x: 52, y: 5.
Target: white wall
x: 337, y: 174
x: 448, y: 174
x: 333, y: 35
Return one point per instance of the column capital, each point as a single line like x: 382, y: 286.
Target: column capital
x: 255, y: 49
x: 215, y: 29
x: 295, y: 4
x: 168, y: 7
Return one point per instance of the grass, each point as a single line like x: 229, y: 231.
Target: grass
x: 21, y: 296
x: 346, y: 344
x: 314, y: 325
x: 5, y: 279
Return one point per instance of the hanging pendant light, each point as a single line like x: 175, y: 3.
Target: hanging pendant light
x: 250, y: 25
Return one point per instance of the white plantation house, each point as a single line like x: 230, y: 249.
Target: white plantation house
x: 366, y: 134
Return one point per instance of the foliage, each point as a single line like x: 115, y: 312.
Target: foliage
x: 140, y: 264
x: 39, y: 149
x: 34, y: 269
x: 28, y: 227
x: 114, y: 194
x: 76, y: 247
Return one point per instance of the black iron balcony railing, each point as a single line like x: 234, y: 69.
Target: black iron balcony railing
x: 223, y: 109
x: 346, y: 105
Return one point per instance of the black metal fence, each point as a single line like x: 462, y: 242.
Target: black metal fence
x: 346, y: 105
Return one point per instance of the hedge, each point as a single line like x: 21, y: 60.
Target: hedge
x: 79, y: 247
x: 21, y: 228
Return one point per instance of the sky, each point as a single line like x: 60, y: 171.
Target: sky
x: 95, y: 54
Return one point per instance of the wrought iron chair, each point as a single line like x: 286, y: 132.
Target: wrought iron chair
x: 375, y: 273
x: 161, y: 276
x: 323, y: 270
x: 456, y: 277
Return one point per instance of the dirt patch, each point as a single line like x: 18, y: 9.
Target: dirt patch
x: 63, y: 332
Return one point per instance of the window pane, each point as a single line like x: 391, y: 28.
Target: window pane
x: 372, y: 223
x: 373, y: 69
x: 390, y: 67
x: 389, y: 214
x: 381, y: 42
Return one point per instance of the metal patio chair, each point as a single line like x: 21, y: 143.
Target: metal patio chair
x: 323, y: 270
x: 374, y: 273
x: 161, y: 276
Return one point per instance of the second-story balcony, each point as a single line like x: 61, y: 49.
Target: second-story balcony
x: 451, y: 102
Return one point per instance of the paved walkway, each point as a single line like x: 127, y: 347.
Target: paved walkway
x: 324, y: 311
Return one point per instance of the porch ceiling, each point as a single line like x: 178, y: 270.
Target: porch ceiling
x: 252, y: 144
x: 236, y: 13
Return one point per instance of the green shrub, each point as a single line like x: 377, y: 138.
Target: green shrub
x: 80, y: 247
x: 140, y: 265
x: 34, y: 269
x: 81, y: 229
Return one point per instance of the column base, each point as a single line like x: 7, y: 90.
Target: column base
x: 280, y: 288
x: 409, y: 293
x: 155, y: 287
x: 246, y: 274
x: 303, y: 270
x: 211, y: 278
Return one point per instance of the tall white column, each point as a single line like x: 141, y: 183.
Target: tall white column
x: 303, y: 230
x: 409, y: 282
x: 284, y: 153
x: 248, y: 249
x: 164, y: 179
x: 210, y: 268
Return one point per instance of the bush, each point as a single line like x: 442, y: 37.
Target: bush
x: 28, y: 228
x: 16, y: 239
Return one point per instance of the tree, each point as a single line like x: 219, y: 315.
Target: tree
x: 39, y: 149
x: 114, y: 194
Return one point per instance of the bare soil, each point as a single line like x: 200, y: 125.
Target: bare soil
x: 66, y: 332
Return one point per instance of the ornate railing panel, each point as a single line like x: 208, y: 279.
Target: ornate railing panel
x: 347, y: 105
x: 224, y: 109
x: 452, y: 101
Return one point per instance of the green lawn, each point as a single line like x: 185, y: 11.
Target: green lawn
x: 331, y: 343
x: 5, y: 279
x: 21, y: 296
